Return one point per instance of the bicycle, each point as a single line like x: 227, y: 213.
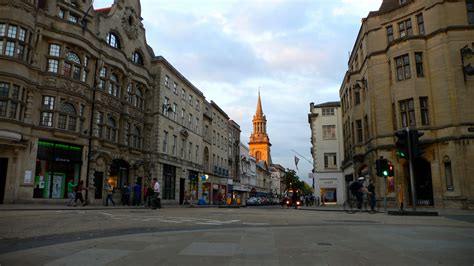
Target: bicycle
x: 350, y: 205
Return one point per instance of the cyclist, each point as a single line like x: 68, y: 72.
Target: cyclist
x: 357, y: 189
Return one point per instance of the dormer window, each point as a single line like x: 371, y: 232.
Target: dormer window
x: 137, y: 58
x: 113, y: 40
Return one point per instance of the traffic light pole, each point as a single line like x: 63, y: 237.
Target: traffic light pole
x: 412, y: 174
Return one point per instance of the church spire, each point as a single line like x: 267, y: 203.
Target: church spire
x: 259, y: 112
x: 259, y: 142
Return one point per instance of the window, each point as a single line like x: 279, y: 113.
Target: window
x: 137, y: 58
x: 329, y: 131
x: 330, y: 161
x: 424, y: 111
x: 72, y: 18
x: 470, y: 11
x: 102, y: 78
x: 165, y: 142
x: 16, y: 42
x: 402, y: 2
x: 360, y: 136
x: 183, y: 94
x: 405, y: 28
x: 197, y: 153
x: 402, y: 64
x: 183, y: 113
x: 166, y: 106
x: 328, y: 111
x: 100, y: 123
x: 167, y: 80
x: 421, y: 24
x: 173, y: 148
x: 4, y: 89
x: 190, y: 99
x: 357, y: 98
x: 61, y: 13
x: 111, y: 130
x: 419, y: 64
x: 390, y: 34
x: 112, y: 40
x: 130, y: 93
x: 114, y: 86
x: 175, y: 109
x: 67, y: 117
x: 137, y: 138
x: 175, y: 87
x: 139, y: 100
x: 46, y: 117
x: 449, y: 176
x: 190, y: 121
x: 190, y: 151
x: 407, y: 113
x: 72, y: 66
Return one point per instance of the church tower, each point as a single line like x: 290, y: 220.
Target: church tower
x: 259, y: 144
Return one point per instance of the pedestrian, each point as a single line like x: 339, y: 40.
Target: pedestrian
x: 371, y: 189
x: 126, y: 194
x: 137, y: 194
x: 79, y: 189
x: 70, y: 192
x: 156, y: 194
x: 149, y: 195
x: 110, y: 192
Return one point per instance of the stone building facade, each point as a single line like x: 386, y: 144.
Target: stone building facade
x: 83, y: 97
x: 407, y: 70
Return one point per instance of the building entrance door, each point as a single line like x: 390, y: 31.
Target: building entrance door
x: 3, y: 177
x: 98, y: 184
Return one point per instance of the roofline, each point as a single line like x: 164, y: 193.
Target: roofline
x: 219, y: 109
x: 161, y: 59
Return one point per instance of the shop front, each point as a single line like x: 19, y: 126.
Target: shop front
x: 193, y: 186
x: 56, y: 164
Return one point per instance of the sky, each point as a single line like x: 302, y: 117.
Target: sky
x: 294, y: 51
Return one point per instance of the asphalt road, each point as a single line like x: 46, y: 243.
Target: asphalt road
x: 245, y: 236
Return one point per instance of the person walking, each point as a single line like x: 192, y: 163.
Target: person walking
x: 137, y: 194
x: 110, y: 192
x: 79, y: 189
x: 371, y: 189
x: 70, y: 192
x: 156, y: 194
x: 126, y: 194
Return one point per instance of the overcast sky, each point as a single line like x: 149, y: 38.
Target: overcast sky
x: 295, y: 51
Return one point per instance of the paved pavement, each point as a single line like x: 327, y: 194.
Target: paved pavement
x: 244, y: 236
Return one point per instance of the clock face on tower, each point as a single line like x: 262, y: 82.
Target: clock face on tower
x: 130, y: 23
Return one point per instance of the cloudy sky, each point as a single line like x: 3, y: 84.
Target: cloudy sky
x: 295, y: 51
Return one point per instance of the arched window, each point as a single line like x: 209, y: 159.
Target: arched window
x: 113, y: 40
x: 111, y: 130
x: 137, y: 58
x: 114, y: 85
x: 138, y: 97
x: 72, y: 66
x: 67, y: 117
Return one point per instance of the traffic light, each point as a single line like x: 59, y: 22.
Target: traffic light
x: 416, y: 150
x: 381, y: 165
x: 391, y: 170
x: 402, y: 144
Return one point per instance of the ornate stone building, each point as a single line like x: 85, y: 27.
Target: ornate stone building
x: 84, y: 98
x: 408, y: 68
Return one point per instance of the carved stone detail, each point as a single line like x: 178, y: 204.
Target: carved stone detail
x: 130, y: 23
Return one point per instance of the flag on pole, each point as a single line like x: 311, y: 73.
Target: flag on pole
x: 296, y: 162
